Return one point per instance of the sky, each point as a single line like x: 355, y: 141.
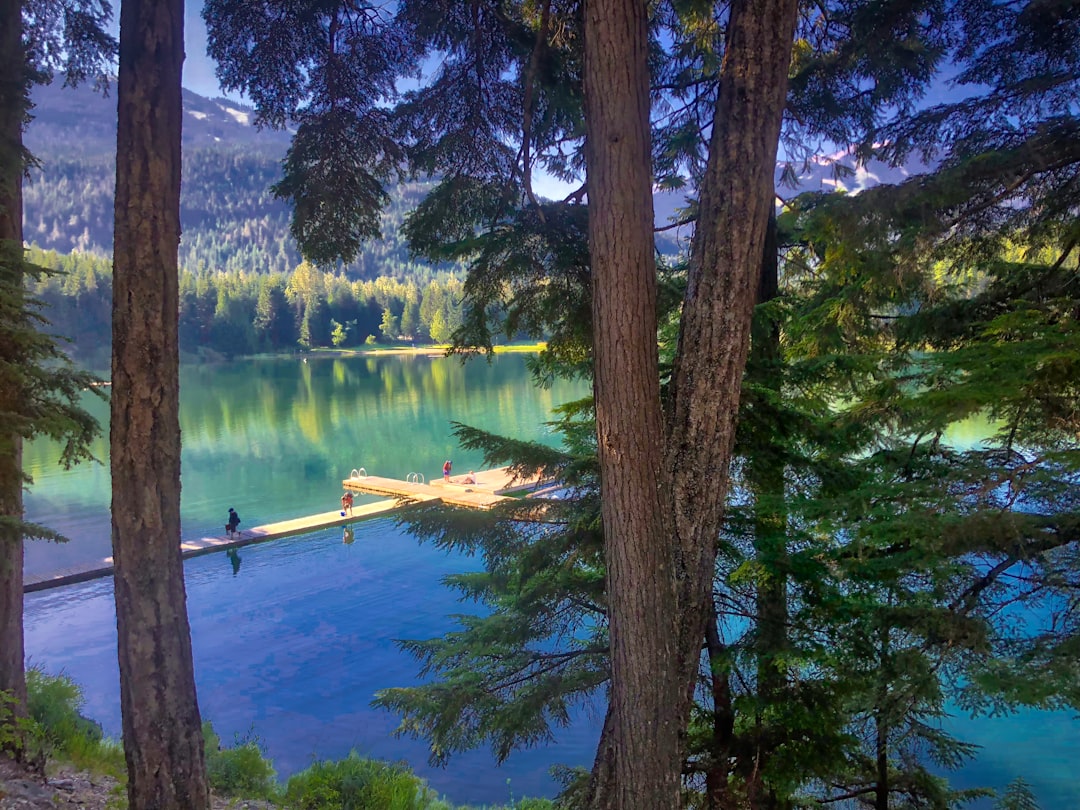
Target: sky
x: 198, y: 67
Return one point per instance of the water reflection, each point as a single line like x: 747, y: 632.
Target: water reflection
x: 273, y: 436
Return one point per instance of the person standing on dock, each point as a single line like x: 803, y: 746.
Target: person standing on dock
x: 234, y: 522
x: 346, y: 504
x: 446, y: 471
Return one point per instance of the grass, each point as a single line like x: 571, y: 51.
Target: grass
x: 55, y: 727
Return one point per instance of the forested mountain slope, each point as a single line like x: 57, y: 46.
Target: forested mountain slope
x: 230, y: 219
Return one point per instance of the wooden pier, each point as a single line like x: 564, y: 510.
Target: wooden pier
x: 491, y: 487
x: 488, y: 488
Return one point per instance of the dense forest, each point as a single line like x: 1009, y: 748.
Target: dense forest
x: 232, y: 222
x: 238, y: 313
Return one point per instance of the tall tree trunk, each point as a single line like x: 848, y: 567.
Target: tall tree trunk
x: 12, y: 113
x: 765, y: 478
x: 717, y: 793
x: 659, y: 580
x: 735, y: 200
x: 881, y: 725
x: 163, y: 741
x: 635, y: 504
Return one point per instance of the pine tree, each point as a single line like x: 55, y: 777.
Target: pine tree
x: 163, y: 742
x: 39, y: 392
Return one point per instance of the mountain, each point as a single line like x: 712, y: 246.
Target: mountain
x: 230, y: 219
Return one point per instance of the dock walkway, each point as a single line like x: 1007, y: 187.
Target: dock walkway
x: 491, y: 487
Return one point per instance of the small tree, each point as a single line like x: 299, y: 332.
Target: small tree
x: 338, y: 334
x: 389, y: 325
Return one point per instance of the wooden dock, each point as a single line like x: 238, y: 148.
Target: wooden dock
x: 492, y: 486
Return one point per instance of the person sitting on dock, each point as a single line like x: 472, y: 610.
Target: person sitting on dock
x: 346, y: 504
x: 446, y: 471
x: 234, y: 522
x: 470, y: 478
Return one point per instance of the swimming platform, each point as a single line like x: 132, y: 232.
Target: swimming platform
x: 491, y: 487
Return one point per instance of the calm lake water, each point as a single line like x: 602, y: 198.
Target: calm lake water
x: 293, y: 644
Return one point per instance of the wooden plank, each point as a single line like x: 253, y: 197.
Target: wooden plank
x: 489, y: 489
x: 195, y: 547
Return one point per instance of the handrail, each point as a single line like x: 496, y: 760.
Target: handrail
x: 415, y: 478
x: 361, y: 473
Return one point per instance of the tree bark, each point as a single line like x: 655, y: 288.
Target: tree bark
x: 12, y: 113
x: 765, y: 479
x: 641, y: 594
x: 736, y: 196
x: 163, y: 741
x: 663, y: 503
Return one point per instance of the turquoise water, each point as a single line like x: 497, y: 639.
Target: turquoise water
x: 274, y: 438
x: 293, y: 645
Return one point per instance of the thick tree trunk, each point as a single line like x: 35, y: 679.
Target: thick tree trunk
x: 638, y: 548
x: 736, y: 196
x: 163, y: 741
x: 12, y: 110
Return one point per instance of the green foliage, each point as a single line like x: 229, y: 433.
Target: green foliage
x: 356, y: 784
x: 42, y: 389
x: 241, y: 771
x: 1017, y: 796
x: 18, y: 733
x: 58, y: 729
x: 244, y: 313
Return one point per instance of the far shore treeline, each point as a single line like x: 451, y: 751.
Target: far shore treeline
x: 241, y: 313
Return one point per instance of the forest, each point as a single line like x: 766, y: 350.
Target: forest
x: 230, y: 314
x: 776, y: 563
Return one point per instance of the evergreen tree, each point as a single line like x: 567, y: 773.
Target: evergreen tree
x: 389, y: 325
x: 163, y: 742
x: 38, y: 391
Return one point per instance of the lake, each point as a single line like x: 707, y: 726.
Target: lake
x: 292, y: 644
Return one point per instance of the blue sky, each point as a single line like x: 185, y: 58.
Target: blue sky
x: 198, y: 67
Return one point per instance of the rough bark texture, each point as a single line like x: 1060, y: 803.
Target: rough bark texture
x: 163, y: 741
x: 645, y: 731
x: 12, y: 110
x: 735, y: 200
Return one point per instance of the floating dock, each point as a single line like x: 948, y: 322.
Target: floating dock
x: 487, y: 488
x: 491, y: 487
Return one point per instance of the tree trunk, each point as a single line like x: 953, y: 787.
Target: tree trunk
x: 163, y: 741
x: 881, y: 726
x: 765, y: 478
x: 735, y: 200
x: 659, y: 580
x: 12, y: 112
x: 717, y: 793
x: 641, y: 595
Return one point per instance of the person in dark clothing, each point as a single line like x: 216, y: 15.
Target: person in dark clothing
x: 234, y: 522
